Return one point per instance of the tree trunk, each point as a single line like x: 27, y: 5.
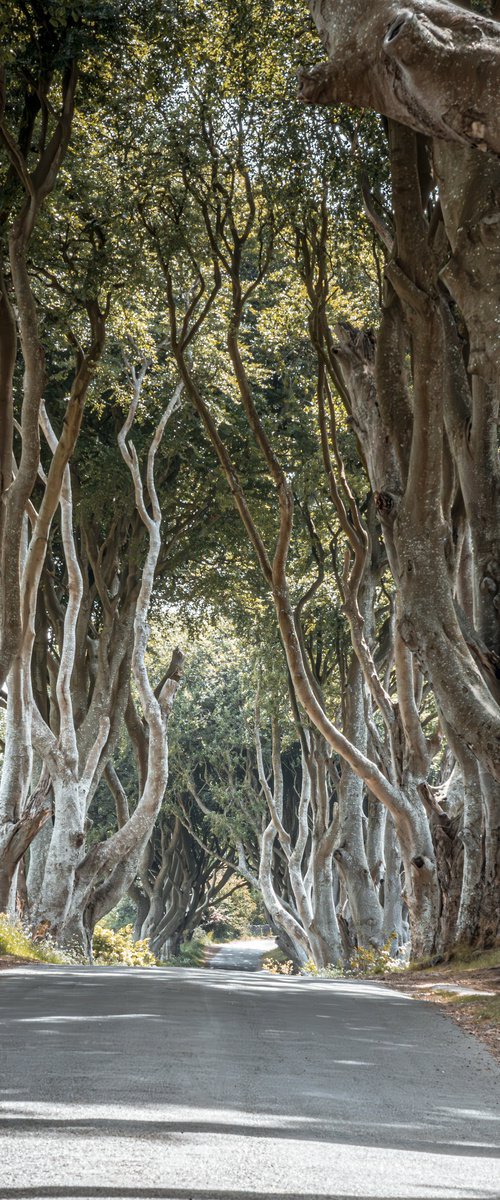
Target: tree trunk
x: 394, y: 929
x: 427, y: 64
x: 349, y: 853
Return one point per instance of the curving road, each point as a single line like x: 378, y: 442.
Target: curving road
x: 242, y: 955
x: 199, y: 1085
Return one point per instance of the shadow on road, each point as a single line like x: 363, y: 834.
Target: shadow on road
x: 366, y: 1136
x: 244, y: 1079
x: 105, y: 1193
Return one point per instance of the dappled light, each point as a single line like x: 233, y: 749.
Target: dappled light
x: 198, y: 1081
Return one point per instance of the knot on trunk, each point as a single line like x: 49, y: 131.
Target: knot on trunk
x: 398, y: 31
x: 421, y: 864
x: 386, y: 504
x: 411, y: 35
x: 315, y: 84
x: 360, y: 343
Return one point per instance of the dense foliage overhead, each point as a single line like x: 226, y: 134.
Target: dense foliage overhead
x: 248, y: 382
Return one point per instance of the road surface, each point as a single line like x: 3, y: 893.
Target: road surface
x: 242, y: 955
x: 200, y: 1085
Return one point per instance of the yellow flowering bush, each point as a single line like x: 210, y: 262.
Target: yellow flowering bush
x: 277, y: 964
x: 118, y: 946
x: 368, y: 960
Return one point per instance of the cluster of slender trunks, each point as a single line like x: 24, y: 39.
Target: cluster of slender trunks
x: 394, y: 829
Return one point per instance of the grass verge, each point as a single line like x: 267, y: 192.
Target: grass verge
x: 16, y: 943
x: 477, y: 1011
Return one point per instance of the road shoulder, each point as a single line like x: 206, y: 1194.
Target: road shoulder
x: 469, y: 993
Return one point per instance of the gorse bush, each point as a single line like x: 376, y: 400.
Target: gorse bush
x: 19, y: 942
x: 118, y: 946
x: 329, y: 972
x: 368, y: 960
x: 276, y: 963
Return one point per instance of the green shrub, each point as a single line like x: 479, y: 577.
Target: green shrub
x: 19, y: 942
x: 191, y: 954
x: 117, y: 946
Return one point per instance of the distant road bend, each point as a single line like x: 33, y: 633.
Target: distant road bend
x: 214, y: 1085
x: 243, y: 955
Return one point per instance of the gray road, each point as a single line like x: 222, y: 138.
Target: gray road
x: 199, y: 1085
x: 242, y: 955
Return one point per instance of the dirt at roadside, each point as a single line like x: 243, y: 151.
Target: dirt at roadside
x: 475, y: 1005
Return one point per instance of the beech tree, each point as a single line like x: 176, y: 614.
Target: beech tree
x: 68, y: 689
x: 429, y: 65
x: 436, y: 487
x: 37, y: 111
x: 317, y: 289
x: 228, y: 240
x: 242, y: 227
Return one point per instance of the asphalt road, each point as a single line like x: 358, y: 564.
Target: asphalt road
x: 242, y: 955
x: 199, y: 1085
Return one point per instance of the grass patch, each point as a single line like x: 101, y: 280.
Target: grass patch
x: 464, y: 958
x: 485, y: 1008
x: 16, y: 941
x: 488, y: 1009
x: 447, y: 997
x: 191, y: 954
x: 472, y: 960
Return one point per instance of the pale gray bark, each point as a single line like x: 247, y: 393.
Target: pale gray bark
x: 66, y: 896
x: 350, y: 853
x: 428, y: 64
x: 374, y: 841
x: 394, y: 926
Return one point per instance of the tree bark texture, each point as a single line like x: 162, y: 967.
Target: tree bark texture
x: 427, y: 64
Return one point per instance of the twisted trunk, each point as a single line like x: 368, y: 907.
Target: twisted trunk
x: 427, y: 64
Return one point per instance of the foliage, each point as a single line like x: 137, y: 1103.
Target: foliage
x: 123, y: 915
x: 19, y: 942
x: 329, y: 972
x: 191, y: 954
x: 118, y: 946
x: 277, y: 964
x: 368, y: 960
x: 234, y: 914
x: 365, y: 962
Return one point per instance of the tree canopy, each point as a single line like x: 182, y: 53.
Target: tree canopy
x: 249, y: 560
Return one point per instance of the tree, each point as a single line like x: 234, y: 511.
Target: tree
x: 431, y: 66
x: 48, y: 50
x: 437, y: 486
x: 321, y: 289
